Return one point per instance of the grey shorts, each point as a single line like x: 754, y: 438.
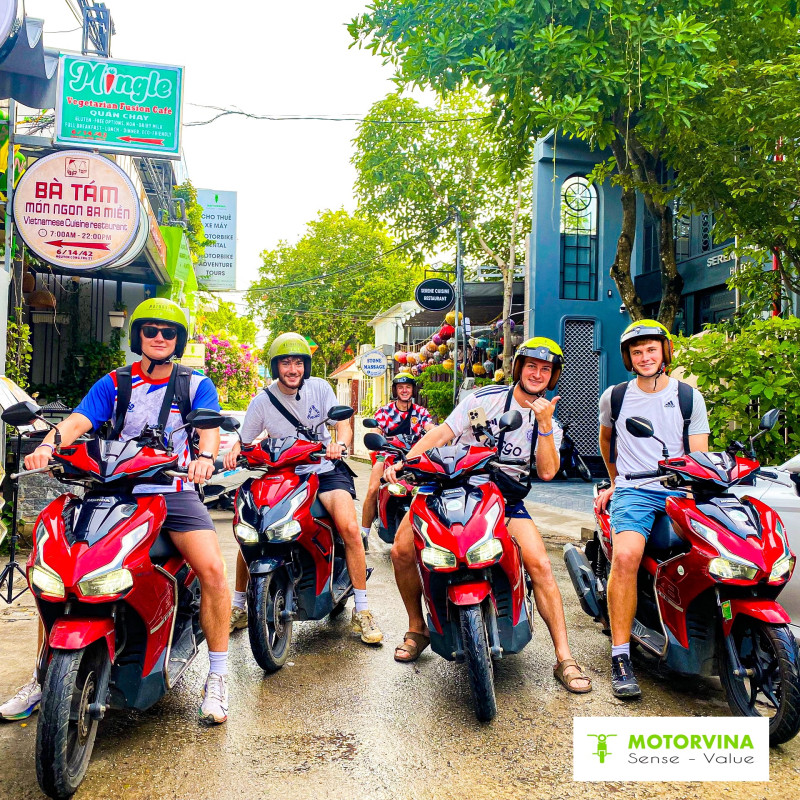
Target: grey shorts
x: 186, y: 512
x: 337, y: 478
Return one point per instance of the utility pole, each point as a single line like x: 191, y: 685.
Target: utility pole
x: 5, y: 273
x: 459, y: 305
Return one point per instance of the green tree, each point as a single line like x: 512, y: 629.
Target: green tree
x: 329, y: 285
x: 195, y: 232
x: 618, y: 74
x: 416, y: 165
x: 217, y: 318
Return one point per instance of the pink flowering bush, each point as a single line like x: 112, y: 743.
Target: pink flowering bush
x: 233, y: 367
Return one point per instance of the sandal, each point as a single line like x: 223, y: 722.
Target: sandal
x: 413, y: 649
x: 577, y: 675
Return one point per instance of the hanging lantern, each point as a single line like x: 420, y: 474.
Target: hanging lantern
x: 431, y: 361
x: 499, y: 376
x: 444, y: 349
x: 492, y: 352
x: 511, y: 324
x: 488, y: 366
x: 451, y: 343
x: 431, y: 347
x: 482, y: 343
x: 411, y: 358
x: 471, y: 341
x: 478, y: 370
x: 502, y: 340
x: 448, y: 364
x: 415, y: 370
x: 499, y: 325
x: 516, y: 339
x: 437, y: 357
x: 446, y: 331
x: 436, y: 339
x: 400, y: 357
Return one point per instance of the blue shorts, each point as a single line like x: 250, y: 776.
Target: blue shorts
x: 517, y: 511
x: 635, y: 509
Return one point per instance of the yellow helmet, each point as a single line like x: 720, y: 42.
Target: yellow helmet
x: 645, y: 329
x: 290, y: 344
x: 545, y: 350
x: 158, y: 309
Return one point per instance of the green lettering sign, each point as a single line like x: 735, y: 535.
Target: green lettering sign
x: 119, y: 106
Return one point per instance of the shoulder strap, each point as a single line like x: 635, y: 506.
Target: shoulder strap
x: 183, y: 390
x: 169, y: 395
x: 124, y: 377
x: 284, y: 412
x: 617, y: 396
x: 686, y: 402
x: 534, y: 439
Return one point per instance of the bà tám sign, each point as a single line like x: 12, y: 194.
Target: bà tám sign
x: 77, y: 210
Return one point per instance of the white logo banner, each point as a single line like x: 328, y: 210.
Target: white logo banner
x: 670, y: 749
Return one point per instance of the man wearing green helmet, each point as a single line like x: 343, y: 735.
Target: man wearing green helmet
x: 400, y: 417
x: 158, y: 333
x: 295, y: 394
x: 537, y: 367
x: 678, y: 414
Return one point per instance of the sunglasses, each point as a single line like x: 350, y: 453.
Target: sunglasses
x: 151, y: 331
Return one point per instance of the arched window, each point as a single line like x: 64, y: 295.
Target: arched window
x: 578, y: 239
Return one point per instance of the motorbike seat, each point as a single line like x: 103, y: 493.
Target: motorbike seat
x: 663, y: 542
x: 317, y: 509
x: 162, y: 548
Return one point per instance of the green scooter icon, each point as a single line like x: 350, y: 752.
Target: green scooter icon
x: 602, y: 747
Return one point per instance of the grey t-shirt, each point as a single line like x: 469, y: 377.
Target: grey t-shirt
x: 316, y: 399
x: 663, y: 410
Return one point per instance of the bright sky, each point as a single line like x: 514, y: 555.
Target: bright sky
x: 264, y: 58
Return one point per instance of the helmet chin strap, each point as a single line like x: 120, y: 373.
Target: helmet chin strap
x: 530, y: 394
x: 157, y: 362
x: 300, y: 386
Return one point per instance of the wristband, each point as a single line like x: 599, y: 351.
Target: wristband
x: 46, y: 444
x: 549, y: 433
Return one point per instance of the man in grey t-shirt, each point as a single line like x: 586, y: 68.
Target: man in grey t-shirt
x: 308, y: 400
x: 646, y: 348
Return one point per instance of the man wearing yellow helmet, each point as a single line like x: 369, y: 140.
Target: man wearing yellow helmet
x: 537, y: 367
x: 159, y: 332
x: 295, y: 395
x: 400, y: 417
x: 678, y: 414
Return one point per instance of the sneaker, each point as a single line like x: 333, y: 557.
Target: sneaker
x: 238, y: 619
x: 623, y: 681
x: 214, y: 709
x: 23, y: 703
x: 364, y: 623
x: 365, y: 539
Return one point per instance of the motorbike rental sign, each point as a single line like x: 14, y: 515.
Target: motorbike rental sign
x: 77, y: 210
x: 119, y: 106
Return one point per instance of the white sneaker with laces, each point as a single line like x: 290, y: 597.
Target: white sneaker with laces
x: 214, y: 709
x: 23, y: 703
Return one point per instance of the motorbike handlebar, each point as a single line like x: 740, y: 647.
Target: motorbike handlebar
x: 634, y: 476
x: 25, y: 472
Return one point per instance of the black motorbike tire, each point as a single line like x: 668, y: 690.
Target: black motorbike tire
x: 479, y: 662
x: 63, y: 745
x: 584, y: 473
x: 270, y: 638
x: 784, y: 664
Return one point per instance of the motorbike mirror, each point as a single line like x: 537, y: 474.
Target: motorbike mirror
x: 229, y: 424
x: 205, y: 419
x: 640, y: 427
x: 20, y: 414
x: 769, y: 420
x: 510, y: 421
x: 370, y: 423
x: 340, y: 413
x: 374, y: 441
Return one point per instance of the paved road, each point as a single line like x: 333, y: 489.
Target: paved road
x: 343, y: 721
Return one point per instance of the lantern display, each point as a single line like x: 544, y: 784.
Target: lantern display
x: 450, y: 318
x: 437, y: 357
x: 451, y: 343
x: 436, y: 339
x: 488, y: 366
x: 499, y: 376
x: 492, y: 352
x: 483, y: 343
x: 448, y: 364
x: 411, y: 359
x: 471, y: 341
x: 444, y: 349
x: 431, y: 347
x: 400, y: 357
x: 446, y: 331
x: 415, y: 370
x: 478, y: 370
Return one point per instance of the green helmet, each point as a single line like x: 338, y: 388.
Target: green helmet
x: 545, y: 350
x: 290, y: 344
x: 403, y: 377
x: 158, y: 309
x: 645, y: 329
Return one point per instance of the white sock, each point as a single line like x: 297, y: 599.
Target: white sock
x: 621, y: 650
x: 361, y: 599
x: 365, y: 531
x: 239, y: 599
x: 218, y: 662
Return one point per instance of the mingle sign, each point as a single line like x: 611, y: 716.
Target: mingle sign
x: 217, y: 270
x: 77, y: 210
x: 119, y: 106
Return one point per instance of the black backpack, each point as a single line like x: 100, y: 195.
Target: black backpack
x: 685, y: 402
x: 178, y: 390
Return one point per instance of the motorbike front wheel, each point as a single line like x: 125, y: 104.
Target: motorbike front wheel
x: 66, y: 730
x: 772, y: 688
x: 584, y: 473
x: 270, y: 636
x: 475, y: 642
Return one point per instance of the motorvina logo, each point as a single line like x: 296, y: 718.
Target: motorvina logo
x: 666, y: 748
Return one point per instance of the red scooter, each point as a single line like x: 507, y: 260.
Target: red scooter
x: 712, y: 569
x: 293, y: 552
x: 120, y: 606
x: 475, y: 589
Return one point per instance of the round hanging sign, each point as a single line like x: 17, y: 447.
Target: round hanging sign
x: 434, y: 294
x: 77, y: 210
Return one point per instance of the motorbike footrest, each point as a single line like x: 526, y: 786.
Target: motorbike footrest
x: 649, y: 638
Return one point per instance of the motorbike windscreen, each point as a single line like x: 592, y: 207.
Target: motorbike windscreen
x: 98, y: 516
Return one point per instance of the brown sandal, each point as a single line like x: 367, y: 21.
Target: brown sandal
x: 567, y: 682
x: 419, y: 641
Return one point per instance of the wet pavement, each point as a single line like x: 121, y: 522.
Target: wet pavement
x: 343, y: 720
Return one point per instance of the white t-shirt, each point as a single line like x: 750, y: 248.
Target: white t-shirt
x: 316, y: 400
x: 516, y: 444
x: 663, y: 410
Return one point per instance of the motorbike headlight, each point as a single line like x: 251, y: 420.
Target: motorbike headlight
x: 108, y: 583
x: 782, y: 569
x: 284, y: 531
x: 435, y: 557
x: 396, y: 489
x: 246, y: 533
x: 490, y: 550
x: 47, y: 582
x: 722, y: 567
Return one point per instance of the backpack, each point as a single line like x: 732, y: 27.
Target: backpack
x: 685, y: 402
x: 178, y: 389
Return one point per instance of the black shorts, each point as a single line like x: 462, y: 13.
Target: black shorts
x: 186, y: 512
x: 337, y: 478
